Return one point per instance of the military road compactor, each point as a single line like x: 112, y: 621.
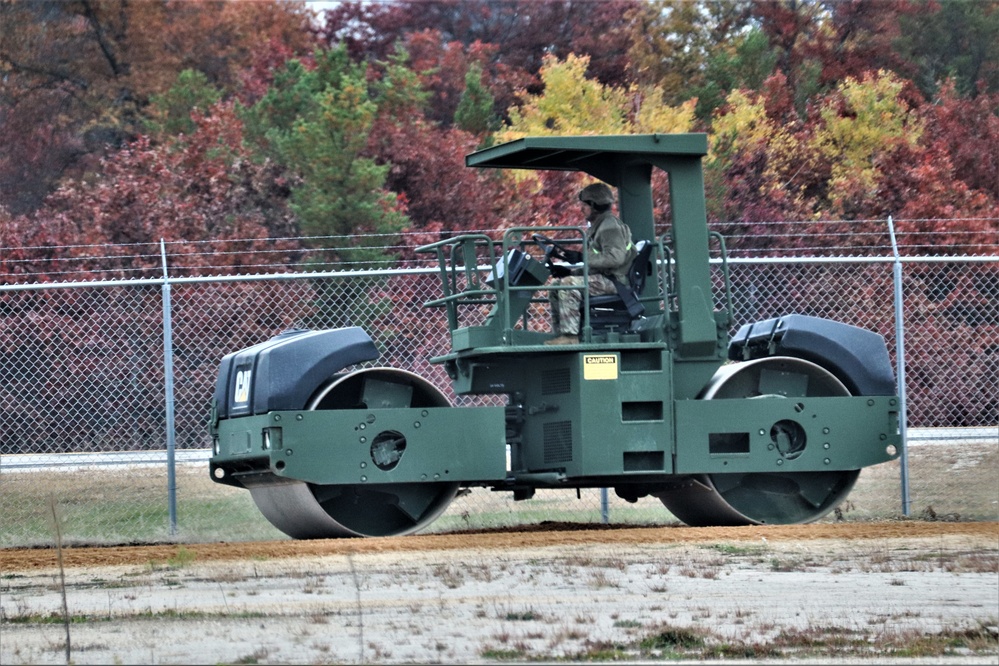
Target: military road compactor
x: 771, y: 425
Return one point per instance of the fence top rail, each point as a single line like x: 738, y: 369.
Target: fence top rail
x: 967, y: 259
x: 262, y: 277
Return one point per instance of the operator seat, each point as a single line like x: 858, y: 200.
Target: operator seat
x: 613, y: 311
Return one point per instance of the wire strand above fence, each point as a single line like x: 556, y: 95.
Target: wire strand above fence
x: 244, y: 256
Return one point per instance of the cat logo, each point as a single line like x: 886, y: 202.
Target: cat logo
x: 242, y: 386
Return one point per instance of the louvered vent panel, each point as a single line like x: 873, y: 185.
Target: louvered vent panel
x: 558, y: 441
x: 555, y: 382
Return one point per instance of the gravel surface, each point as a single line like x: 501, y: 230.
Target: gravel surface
x: 894, y: 592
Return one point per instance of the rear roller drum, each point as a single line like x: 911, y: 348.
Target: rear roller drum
x: 311, y: 511
x: 765, y: 498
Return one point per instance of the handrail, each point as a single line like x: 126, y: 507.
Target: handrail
x: 507, y: 246
x: 730, y: 308
x: 667, y: 273
x: 669, y: 293
x: 449, y: 252
x: 453, y: 256
x: 667, y: 278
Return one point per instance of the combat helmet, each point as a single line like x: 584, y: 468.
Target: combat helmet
x: 597, y: 195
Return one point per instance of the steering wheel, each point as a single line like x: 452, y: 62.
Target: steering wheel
x: 553, y: 249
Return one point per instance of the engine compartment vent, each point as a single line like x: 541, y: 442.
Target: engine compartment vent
x: 556, y: 382
x: 558, y: 442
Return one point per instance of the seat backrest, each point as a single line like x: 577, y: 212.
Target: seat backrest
x: 624, y: 306
x: 640, y: 266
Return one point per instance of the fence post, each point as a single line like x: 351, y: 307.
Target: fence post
x: 168, y: 388
x: 900, y: 364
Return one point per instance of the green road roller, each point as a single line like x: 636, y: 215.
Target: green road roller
x: 771, y: 425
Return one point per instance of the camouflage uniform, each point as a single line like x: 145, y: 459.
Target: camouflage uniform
x: 611, y: 252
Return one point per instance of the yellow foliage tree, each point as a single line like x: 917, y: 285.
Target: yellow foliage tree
x: 746, y: 126
x: 744, y: 129
x: 652, y: 116
x: 861, y: 121
x: 572, y: 104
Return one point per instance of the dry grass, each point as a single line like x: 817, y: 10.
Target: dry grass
x: 113, y: 505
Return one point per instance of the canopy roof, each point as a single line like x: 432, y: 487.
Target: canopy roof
x: 588, y: 153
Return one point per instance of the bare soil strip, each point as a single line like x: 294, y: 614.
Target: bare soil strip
x: 536, y: 536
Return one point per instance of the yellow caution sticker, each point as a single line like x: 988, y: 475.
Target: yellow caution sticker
x: 599, y: 366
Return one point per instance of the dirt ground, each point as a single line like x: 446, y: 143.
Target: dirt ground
x: 534, y: 536
x: 888, y: 592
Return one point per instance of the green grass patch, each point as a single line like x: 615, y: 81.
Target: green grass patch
x: 183, y: 558
x: 108, y: 506
x: 738, y: 550
x: 524, y: 616
x: 501, y: 654
x: 668, y: 638
x: 121, y: 505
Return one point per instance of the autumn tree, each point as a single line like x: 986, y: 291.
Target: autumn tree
x: 475, y: 113
x: 525, y: 29
x: 753, y: 170
x: 945, y: 185
x: 673, y: 41
x: 789, y: 25
x: 521, y: 31
x: 859, y: 122
x: 198, y: 195
x: 216, y: 209
x: 957, y: 41
x: 316, y: 120
x: 859, y: 36
x: 78, y: 75
x: 573, y: 103
x: 443, y: 69
x: 819, y: 43
x: 967, y: 130
x: 426, y: 160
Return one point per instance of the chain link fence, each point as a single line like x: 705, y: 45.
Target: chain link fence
x: 84, y: 412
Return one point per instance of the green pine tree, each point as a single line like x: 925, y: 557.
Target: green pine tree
x: 475, y: 108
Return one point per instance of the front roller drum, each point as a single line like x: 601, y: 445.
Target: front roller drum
x: 305, y: 510
x: 764, y: 498
x: 311, y: 511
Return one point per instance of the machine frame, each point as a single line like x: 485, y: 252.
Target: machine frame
x: 770, y: 425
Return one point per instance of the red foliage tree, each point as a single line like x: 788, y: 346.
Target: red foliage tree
x: 444, y: 197
x: 78, y: 75
x: 442, y: 68
x: 947, y: 187
x: 939, y: 212
x: 201, y: 196
x: 819, y: 44
x: 216, y: 209
x: 859, y: 36
x: 520, y: 32
x: 968, y: 130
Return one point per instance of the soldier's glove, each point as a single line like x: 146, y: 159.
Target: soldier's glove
x: 573, y: 256
x: 559, y: 271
